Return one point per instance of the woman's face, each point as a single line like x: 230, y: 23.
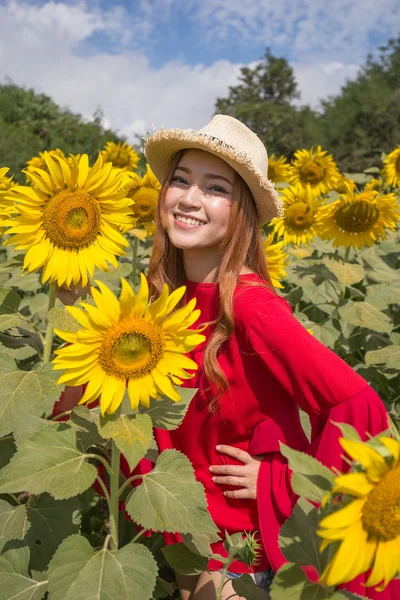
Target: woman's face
x: 198, y: 201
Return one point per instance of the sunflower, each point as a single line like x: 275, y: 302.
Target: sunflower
x: 276, y: 260
x: 38, y: 162
x: 358, y: 218
x: 367, y: 529
x: 144, y: 191
x: 314, y: 167
x: 129, y: 343
x: 278, y: 168
x: 378, y: 185
x: 343, y: 184
x: 299, y: 218
x: 121, y: 155
x: 391, y: 168
x: 69, y: 221
x: 6, y: 184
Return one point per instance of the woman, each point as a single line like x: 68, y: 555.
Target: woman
x: 258, y: 364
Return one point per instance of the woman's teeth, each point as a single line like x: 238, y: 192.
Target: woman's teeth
x: 188, y: 220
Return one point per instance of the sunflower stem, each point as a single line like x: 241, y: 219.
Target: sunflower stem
x: 134, y: 245
x: 48, y: 340
x: 114, y: 496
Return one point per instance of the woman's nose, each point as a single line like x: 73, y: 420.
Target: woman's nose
x: 191, y: 196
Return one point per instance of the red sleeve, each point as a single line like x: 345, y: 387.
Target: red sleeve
x: 320, y: 383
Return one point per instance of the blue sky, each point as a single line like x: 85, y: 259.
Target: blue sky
x: 164, y: 62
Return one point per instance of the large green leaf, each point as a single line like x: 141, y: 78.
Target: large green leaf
x: 170, y: 498
x: 378, y: 270
x: 245, y: 587
x: 15, y: 581
x: 346, y: 273
x: 7, y: 450
x: 183, y: 560
x: 310, y: 478
x: 363, y: 314
x: 298, y: 539
x: 290, y: 583
x: 167, y: 414
x: 76, y: 572
x: 88, y: 422
x: 199, y: 543
x: 381, y: 295
x: 132, y: 435
x: 38, y: 304
x: 51, y: 521
x: 49, y: 462
x: 33, y: 392
x: 13, y: 521
x: 388, y: 356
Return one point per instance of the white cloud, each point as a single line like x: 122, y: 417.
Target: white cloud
x: 132, y: 94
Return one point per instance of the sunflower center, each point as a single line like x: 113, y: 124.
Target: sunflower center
x: 72, y: 219
x: 132, y: 349
x: 357, y: 217
x: 381, y: 512
x: 299, y: 216
x: 312, y: 173
x: 119, y: 158
x: 145, y: 204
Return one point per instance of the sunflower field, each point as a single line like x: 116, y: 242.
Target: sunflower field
x: 89, y: 364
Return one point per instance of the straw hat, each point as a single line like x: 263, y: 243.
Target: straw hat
x: 232, y: 141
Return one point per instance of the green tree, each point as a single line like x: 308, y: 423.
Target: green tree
x: 364, y: 119
x: 263, y: 100
x: 31, y: 123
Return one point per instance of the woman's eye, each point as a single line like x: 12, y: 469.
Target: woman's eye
x: 178, y: 179
x: 219, y: 189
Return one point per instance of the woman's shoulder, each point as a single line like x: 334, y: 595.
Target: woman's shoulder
x: 253, y: 296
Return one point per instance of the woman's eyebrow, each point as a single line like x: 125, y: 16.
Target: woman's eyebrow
x: 208, y: 175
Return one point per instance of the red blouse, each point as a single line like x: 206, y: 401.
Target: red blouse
x: 273, y: 366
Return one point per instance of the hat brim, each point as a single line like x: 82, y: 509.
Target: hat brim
x: 162, y: 145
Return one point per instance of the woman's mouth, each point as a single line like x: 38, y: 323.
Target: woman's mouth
x: 187, y: 222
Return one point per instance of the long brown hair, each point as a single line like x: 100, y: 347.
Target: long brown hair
x: 242, y: 246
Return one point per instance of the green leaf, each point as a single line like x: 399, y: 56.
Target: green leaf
x: 33, y: 392
x: 245, y: 587
x: 290, y: 583
x: 14, y: 261
x: 87, y: 420
x: 48, y: 462
x: 163, y: 589
x: 76, y: 572
x: 7, y: 450
x: 9, y: 301
x: 183, y: 560
x: 13, y: 521
x: 389, y: 356
x: 298, y: 539
x: 132, y: 435
x: 348, y: 431
x: 346, y: 273
x: 381, y: 295
x: 26, y: 425
x: 15, y: 581
x: 200, y: 543
x: 167, y: 414
x: 363, y: 314
x: 61, y: 319
x: 170, y: 498
x: 39, y: 304
x: 51, y: 522
x: 379, y: 270
x: 29, y: 282
x: 310, y: 477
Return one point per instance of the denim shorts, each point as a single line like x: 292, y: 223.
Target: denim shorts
x: 262, y: 579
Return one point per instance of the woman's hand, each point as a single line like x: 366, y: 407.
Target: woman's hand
x: 69, y: 295
x: 244, y: 476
